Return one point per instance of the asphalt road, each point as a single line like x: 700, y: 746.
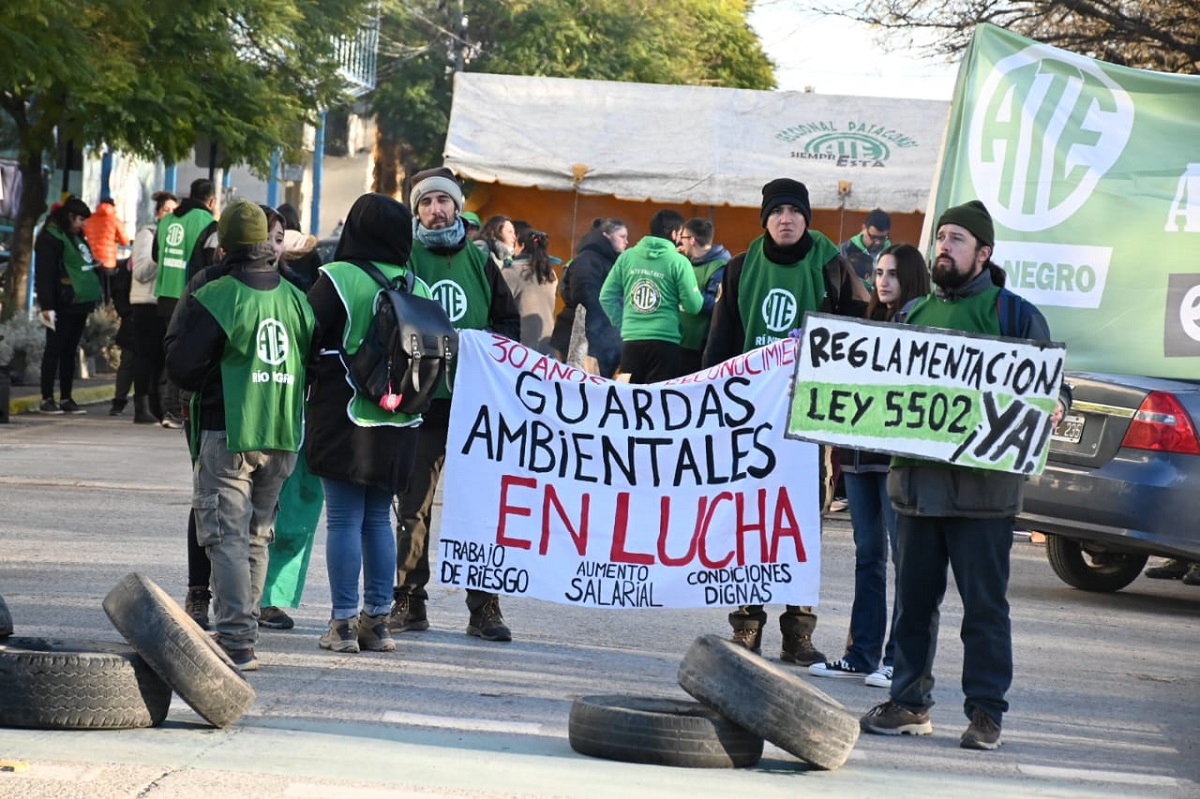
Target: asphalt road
x: 1103, y: 702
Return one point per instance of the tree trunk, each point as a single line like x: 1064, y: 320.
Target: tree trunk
x: 388, y: 175
x: 14, y: 288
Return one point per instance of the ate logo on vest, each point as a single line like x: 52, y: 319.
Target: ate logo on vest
x: 644, y: 296
x: 174, y: 235
x: 451, y: 297
x: 271, y: 342
x: 779, y: 310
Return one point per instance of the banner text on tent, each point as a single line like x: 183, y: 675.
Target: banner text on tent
x: 970, y: 400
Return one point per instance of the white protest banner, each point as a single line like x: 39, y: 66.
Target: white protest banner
x: 567, y: 487
x: 963, y: 398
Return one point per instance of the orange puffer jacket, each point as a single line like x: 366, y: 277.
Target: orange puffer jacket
x: 104, y: 232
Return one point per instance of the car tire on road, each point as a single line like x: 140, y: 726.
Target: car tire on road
x: 769, y: 701
x: 175, y: 647
x: 6, y: 625
x: 1102, y: 572
x: 52, y: 684
x: 660, y: 732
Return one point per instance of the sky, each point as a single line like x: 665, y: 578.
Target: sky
x: 838, y: 56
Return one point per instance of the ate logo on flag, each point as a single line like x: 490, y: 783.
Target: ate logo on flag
x: 1032, y: 175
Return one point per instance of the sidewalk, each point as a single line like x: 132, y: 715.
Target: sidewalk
x: 91, y: 391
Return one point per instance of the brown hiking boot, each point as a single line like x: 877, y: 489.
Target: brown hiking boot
x: 487, y: 623
x: 889, y: 718
x: 747, y: 632
x: 373, y: 635
x: 1173, y: 569
x: 799, y: 649
x: 408, y: 613
x: 984, y: 732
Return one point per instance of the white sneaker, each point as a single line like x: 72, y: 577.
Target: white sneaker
x: 834, y: 668
x: 880, y: 678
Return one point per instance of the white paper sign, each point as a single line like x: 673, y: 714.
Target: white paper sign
x: 568, y: 487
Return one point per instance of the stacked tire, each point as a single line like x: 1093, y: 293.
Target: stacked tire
x: 78, y: 685
x: 742, y: 701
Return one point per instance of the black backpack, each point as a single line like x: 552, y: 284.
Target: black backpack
x: 408, y: 347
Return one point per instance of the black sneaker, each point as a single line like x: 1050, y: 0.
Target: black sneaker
x: 118, y: 408
x: 71, y: 406
x: 50, y: 407
x: 171, y: 421
x: 836, y: 668
x: 890, y: 718
x: 799, y: 649
x: 243, y: 659
x: 984, y: 732
x: 408, y: 614
x: 488, y: 624
x: 273, y: 618
x: 196, y: 605
x: 1193, y: 575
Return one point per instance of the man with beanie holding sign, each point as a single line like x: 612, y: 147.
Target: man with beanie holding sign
x: 950, y: 515
x: 475, y: 296
x: 764, y: 295
x: 239, y: 339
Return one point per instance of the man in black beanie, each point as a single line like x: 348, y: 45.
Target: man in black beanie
x: 786, y: 272
x: 949, y: 515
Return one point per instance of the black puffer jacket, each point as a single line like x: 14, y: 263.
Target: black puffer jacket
x: 581, y: 285
x: 377, y: 229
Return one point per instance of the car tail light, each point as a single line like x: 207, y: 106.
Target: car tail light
x: 1162, y: 424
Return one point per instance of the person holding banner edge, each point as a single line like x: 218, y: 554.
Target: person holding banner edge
x: 958, y: 517
x: 476, y: 297
x: 900, y: 277
x: 765, y: 292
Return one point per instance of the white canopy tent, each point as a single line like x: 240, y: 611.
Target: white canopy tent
x: 699, y: 145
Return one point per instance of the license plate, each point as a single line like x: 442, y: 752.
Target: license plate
x: 1070, y: 429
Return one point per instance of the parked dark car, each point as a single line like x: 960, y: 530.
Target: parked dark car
x: 1122, y: 481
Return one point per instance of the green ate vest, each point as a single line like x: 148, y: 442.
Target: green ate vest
x: 80, y: 265
x: 694, y: 326
x: 773, y: 298
x: 354, y: 286
x: 459, y: 283
x: 262, y: 369
x: 974, y: 314
x: 177, y: 239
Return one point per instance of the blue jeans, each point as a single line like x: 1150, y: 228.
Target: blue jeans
x: 874, y: 523
x: 978, y: 552
x: 358, y: 539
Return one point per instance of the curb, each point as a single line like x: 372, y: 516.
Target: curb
x: 89, y: 395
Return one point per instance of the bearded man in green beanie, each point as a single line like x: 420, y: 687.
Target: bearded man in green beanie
x: 954, y: 516
x: 239, y: 340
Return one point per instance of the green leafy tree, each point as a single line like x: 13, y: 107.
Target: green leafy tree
x: 692, y: 42
x: 1161, y: 35
x: 148, y: 76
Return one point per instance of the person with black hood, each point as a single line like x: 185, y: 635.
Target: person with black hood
x: 765, y: 293
x: 471, y: 289
x: 239, y: 341
x: 68, y: 288
x: 185, y: 242
x: 299, y: 248
x: 362, y: 452
x: 580, y: 286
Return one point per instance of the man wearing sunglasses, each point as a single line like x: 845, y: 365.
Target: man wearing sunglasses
x: 864, y: 249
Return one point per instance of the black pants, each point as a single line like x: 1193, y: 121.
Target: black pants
x: 977, y: 550
x: 148, y: 332
x: 689, y: 361
x: 415, y: 512
x: 650, y: 361
x: 59, y: 355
